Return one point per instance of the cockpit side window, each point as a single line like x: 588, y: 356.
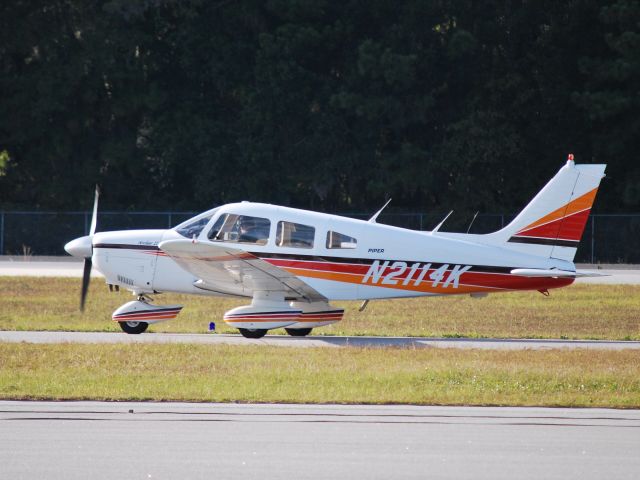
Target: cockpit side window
x: 296, y: 235
x: 240, y: 229
x: 194, y: 228
x: 221, y: 226
x: 340, y: 240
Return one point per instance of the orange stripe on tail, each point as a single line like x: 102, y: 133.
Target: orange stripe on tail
x: 564, y: 223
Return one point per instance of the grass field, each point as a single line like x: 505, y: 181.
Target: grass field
x: 579, y: 311
x: 350, y: 375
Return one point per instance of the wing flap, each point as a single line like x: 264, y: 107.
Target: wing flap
x: 229, y: 269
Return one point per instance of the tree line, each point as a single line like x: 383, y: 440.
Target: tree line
x: 321, y: 104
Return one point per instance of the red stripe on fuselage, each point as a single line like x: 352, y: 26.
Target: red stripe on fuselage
x: 469, y: 281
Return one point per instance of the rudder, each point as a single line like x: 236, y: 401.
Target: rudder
x: 552, y: 224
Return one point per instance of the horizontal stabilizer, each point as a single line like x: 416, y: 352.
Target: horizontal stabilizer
x: 555, y: 273
x: 587, y: 273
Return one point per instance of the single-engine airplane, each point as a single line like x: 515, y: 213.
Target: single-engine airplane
x: 292, y: 262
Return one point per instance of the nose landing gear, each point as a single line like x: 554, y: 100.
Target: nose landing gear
x: 134, y: 317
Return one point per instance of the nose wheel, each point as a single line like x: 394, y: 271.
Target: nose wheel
x: 133, y: 327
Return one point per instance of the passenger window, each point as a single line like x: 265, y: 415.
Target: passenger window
x: 240, y: 229
x: 339, y: 240
x: 294, y: 235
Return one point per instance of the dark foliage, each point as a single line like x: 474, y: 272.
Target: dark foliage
x: 317, y: 104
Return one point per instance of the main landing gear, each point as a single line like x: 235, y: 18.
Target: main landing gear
x: 270, y: 311
x: 253, y: 332
x: 298, y: 332
x: 261, y: 332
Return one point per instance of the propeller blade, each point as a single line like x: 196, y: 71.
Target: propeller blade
x: 86, y: 273
x: 86, y: 278
x: 94, y: 217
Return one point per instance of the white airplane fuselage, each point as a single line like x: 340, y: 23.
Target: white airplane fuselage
x: 387, y: 262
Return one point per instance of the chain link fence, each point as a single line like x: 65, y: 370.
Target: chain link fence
x: 607, y: 238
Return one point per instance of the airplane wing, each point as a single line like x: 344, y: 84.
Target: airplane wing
x: 539, y: 272
x: 233, y: 271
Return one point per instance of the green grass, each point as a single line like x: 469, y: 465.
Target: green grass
x: 575, y: 312
x: 315, y: 375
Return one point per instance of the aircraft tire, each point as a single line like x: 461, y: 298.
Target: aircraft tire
x: 257, y: 333
x: 298, y: 332
x: 133, y: 327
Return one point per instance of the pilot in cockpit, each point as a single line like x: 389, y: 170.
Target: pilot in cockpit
x: 251, y: 231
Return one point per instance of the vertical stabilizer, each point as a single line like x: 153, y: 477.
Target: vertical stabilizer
x: 553, y: 222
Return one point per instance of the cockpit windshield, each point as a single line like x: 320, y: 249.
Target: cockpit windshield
x: 194, y: 226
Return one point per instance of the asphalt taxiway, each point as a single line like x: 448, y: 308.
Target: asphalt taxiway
x: 314, y: 341
x: 69, y: 440
x: 43, y: 267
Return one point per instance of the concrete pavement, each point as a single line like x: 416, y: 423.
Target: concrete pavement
x: 79, y: 440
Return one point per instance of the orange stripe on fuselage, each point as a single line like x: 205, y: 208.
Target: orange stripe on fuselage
x: 470, y: 282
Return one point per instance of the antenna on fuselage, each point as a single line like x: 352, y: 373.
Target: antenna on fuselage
x: 472, y: 220
x: 442, y: 222
x: 375, y: 215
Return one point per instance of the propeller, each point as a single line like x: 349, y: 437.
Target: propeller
x: 86, y: 278
x: 86, y: 272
